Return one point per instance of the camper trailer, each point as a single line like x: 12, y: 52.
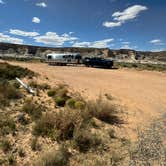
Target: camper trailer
x: 62, y: 59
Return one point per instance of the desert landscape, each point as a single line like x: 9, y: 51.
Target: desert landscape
x: 82, y: 83
x: 128, y: 129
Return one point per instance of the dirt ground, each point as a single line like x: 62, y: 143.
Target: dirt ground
x: 142, y: 93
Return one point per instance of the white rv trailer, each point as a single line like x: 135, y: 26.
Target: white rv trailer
x: 63, y: 58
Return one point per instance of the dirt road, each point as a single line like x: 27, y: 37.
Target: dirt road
x: 142, y: 92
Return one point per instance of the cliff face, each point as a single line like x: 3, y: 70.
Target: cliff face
x: 122, y: 54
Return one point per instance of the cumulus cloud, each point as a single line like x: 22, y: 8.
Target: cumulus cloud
x: 36, y: 20
x: 2, y: 2
x: 41, y: 4
x: 96, y: 44
x: 9, y: 39
x: 23, y: 33
x: 52, y: 38
x: 128, y: 14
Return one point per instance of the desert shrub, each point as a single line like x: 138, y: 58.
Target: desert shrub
x: 85, y: 140
x: 58, y: 126
x: 10, y: 72
x: 8, y: 91
x: 5, y: 145
x: 45, y: 126
x: 51, y: 92
x: 104, y: 111
x: 60, y: 101
x: 60, y: 95
x: 71, y: 103
x: 7, y: 125
x: 32, y: 109
x: 12, y: 93
x: 66, y: 122
x: 79, y: 105
x: 54, y: 158
x: 34, y: 144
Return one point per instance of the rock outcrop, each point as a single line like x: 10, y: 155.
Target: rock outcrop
x: 121, y: 54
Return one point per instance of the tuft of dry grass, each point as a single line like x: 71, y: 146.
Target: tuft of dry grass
x: 32, y: 109
x: 104, y: 111
x: 58, y: 157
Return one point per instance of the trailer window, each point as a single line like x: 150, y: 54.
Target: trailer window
x: 49, y: 57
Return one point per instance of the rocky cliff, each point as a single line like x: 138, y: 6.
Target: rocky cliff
x: 7, y: 49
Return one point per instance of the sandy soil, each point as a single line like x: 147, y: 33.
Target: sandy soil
x: 143, y: 93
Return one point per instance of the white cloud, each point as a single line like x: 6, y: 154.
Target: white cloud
x: 96, y: 44
x: 126, y: 46
x: 23, y: 33
x: 52, y: 38
x: 36, y: 20
x: 41, y: 4
x: 129, y: 13
x: 2, y: 2
x: 155, y: 41
x: 126, y: 15
x: 112, y: 24
x: 9, y: 39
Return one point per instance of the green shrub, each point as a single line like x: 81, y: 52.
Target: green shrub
x: 54, y: 158
x: 79, y: 105
x: 5, y: 145
x: 71, y: 103
x: 10, y: 72
x: 60, y: 101
x: 8, y: 91
x: 51, y: 93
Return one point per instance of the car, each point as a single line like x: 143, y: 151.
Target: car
x: 97, y: 62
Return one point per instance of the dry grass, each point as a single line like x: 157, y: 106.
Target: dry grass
x: 32, y: 109
x: 54, y: 158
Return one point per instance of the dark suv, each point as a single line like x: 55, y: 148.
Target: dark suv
x: 98, y: 62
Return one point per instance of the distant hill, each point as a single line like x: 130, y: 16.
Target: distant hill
x: 121, y: 54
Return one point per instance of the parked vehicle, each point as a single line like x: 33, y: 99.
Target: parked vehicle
x: 63, y: 59
x: 98, y: 62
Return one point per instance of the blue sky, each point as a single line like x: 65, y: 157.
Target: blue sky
x: 133, y: 24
